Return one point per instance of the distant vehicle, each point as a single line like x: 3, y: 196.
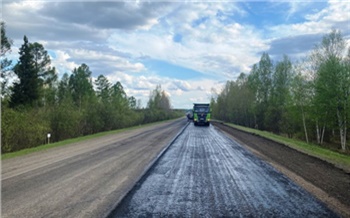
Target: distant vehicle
x: 189, y: 114
x: 201, y: 114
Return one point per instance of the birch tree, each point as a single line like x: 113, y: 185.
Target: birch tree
x: 332, y: 82
x: 300, y: 89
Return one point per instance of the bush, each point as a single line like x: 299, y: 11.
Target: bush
x: 65, y: 122
x: 22, y: 129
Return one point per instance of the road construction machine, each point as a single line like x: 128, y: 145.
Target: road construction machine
x: 201, y: 114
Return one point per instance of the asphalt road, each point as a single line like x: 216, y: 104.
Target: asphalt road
x: 206, y: 174
x: 84, y: 179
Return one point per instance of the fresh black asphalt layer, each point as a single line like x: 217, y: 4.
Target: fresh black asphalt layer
x: 206, y: 174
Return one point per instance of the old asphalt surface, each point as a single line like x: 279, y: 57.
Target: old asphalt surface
x: 83, y: 179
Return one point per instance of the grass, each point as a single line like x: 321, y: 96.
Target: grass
x: 333, y: 157
x: 73, y: 140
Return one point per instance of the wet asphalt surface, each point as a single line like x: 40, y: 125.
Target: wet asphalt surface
x: 206, y: 174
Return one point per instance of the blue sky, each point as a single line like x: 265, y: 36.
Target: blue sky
x: 190, y: 48
x: 170, y: 70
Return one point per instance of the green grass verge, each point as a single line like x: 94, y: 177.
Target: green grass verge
x: 333, y: 157
x: 74, y: 140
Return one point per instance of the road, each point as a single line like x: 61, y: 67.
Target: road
x: 84, y: 179
x: 206, y: 174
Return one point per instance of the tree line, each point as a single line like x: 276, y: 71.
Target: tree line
x: 308, y: 100
x: 38, y: 103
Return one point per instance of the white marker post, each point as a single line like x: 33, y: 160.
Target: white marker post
x: 48, y: 138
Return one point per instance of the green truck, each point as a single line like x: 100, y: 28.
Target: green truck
x: 201, y: 114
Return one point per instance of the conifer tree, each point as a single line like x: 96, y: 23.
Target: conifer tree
x: 26, y: 90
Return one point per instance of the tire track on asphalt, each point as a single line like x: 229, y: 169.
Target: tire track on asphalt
x: 175, y: 170
x: 212, y: 174
x: 232, y: 166
x: 219, y: 163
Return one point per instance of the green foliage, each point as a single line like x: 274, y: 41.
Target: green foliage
x: 5, y: 44
x: 64, y: 121
x: 233, y: 104
x: 132, y: 102
x: 103, y: 88
x: 332, y: 90
x: 63, y: 91
x: 158, y: 106
x: 46, y: 74
x: 277, y: 107
x: 22, y: 129
x: 40, y: 57
x: 260, y: 83
x: 80, y: 85
x: 159, y: 100
x: 26, y: 90
x: 75, y: 109
x: 310, y: 100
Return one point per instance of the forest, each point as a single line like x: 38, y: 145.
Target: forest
x: 308, y: 99
x: 38, y: 103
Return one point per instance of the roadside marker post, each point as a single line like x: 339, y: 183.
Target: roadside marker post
x: 48, y: 138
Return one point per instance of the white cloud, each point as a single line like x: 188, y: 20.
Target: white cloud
x: 112, y: 60
x: 62, y: 63
x: 20, y: 9
x: 317, y: 23
x: 296, y: 6
x: 180, y: 85
x: 178, y: 92
x: 220, y: 49
x: 181, y: 91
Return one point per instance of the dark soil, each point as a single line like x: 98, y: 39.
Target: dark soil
x: 333, y: 181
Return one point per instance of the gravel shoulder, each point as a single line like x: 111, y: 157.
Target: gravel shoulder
x: 325, y: 181
x: 83, y: 179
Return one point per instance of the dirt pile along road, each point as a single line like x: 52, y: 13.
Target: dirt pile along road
x: 84, y: 179
x: 327, y: 182
x: 205, y: 173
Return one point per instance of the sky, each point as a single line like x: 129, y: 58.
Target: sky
x: 190, y: 48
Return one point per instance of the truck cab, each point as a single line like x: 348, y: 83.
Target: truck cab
x: 201, y: 114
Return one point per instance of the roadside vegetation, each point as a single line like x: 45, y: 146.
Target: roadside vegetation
x: 38, y: 103
x: 308, y: 100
